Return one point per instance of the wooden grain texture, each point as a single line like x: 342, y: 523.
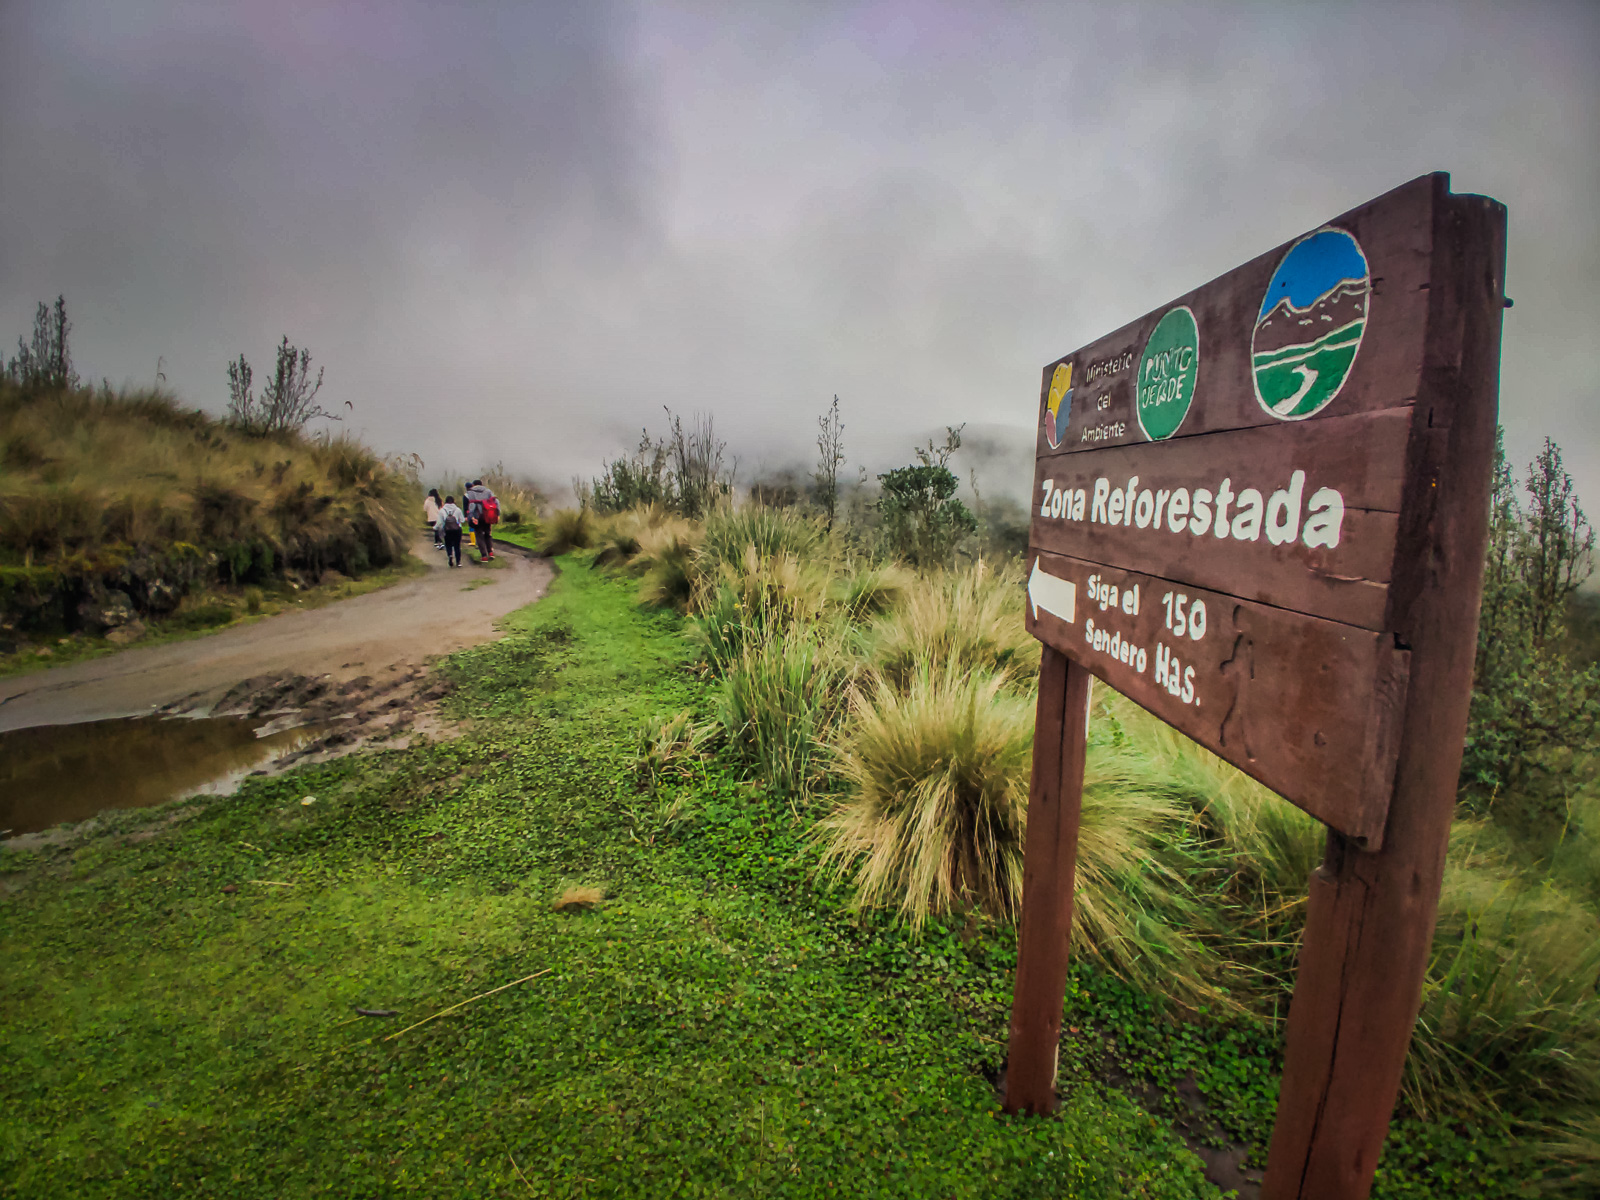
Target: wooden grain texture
x: 1395, y: 234
x: 1371, y: 916
x: 1363, y: 456
x: 1268, y: 690
x: 1055, y: 798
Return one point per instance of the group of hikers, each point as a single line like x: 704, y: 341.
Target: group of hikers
x: 447, y: 519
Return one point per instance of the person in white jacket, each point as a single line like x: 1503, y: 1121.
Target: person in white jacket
x: 448, y: 526
x: 430, y: 515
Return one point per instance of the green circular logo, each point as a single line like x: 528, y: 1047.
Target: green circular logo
x: 1167, y: 373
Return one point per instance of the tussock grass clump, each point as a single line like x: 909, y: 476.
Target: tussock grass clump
x: 1510, y: 1012
x: 752, y: 600
x: 779, y: 696
x: 569, y: 529
x: 671, y: 748
x: 668, y: 555
x: 771, y: 532
x: 938, y: 779
x: 969, y: 619
x: 867, y: 590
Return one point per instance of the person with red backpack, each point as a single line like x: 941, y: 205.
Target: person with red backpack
x: 483, y: 511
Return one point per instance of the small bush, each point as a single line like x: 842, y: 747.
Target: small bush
x: 202, y: 616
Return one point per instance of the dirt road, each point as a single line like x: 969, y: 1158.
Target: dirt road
x: 391, y: 630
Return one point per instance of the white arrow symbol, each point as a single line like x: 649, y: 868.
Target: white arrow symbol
x: 1056, y: 596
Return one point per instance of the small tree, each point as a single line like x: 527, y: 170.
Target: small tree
x: 631, y: 479
x: 699, y: 477
x: 286, y: 404
x: 830, y: 456
x: 922, y: 518
x: 1532, y: 704
x: 47, y: 360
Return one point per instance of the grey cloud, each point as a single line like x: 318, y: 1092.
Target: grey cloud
x: 518, y: 232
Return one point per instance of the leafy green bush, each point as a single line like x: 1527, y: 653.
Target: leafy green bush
x: 1533, y: 706
x: 922, y: 519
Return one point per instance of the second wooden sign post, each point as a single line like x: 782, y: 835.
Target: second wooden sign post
x: 1261, y: 514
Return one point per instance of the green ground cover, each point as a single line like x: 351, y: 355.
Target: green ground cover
x: 718, y: 1025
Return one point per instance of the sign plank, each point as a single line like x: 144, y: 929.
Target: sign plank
x: 1251, y: 444
x: 1300, y: 516
x: 1200, y: 660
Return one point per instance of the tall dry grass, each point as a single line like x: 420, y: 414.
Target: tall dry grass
x: 968, y: 618
x: 937, y: 772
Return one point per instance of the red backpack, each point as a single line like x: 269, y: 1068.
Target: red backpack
x: 491, y: 511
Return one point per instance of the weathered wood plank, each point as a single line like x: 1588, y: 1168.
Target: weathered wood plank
x: 1269, y: 691
x: 1277, y: 473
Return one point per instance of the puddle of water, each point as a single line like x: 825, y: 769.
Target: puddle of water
x: 55, y: 773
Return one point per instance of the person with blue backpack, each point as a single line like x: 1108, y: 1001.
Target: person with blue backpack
x: 448, y: 526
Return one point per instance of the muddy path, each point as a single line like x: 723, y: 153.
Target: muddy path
x: 389, y: 634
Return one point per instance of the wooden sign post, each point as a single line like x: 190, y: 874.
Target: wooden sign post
x: 1260, y: 512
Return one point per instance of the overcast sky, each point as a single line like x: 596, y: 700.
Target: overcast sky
x: 515, y: 232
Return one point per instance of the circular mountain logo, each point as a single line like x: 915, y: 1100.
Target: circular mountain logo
x: 1167, y: 373
x: 1310, y: 324
x: 1058, y: 407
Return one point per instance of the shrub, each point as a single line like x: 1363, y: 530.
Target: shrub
x: 922, y: 519
x: 1533, y: 705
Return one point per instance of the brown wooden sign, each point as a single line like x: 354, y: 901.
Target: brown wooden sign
x: 1259, y: 511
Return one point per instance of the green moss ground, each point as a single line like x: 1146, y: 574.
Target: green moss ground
x: 718, y: 1026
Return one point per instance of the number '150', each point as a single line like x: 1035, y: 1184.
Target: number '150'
x: 1191, y: 622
